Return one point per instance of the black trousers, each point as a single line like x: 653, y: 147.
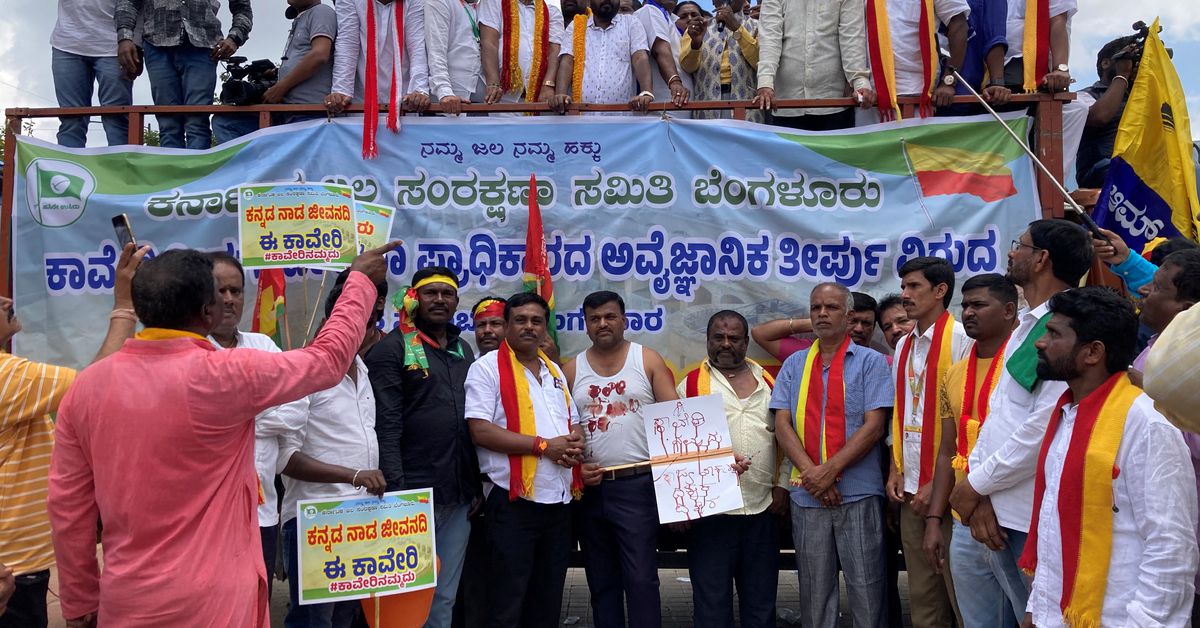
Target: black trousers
x: 530, y: 549
x: 27, y: 606
x: 843, y: 119
x: 734, y: 550
x: 618, y: 532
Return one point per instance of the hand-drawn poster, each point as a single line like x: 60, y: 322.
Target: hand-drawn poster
x: 691, y: 458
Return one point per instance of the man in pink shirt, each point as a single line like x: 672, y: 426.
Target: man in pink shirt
x: 156, y: 441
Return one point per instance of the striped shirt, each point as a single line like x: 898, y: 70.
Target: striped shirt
x: 28, y: 393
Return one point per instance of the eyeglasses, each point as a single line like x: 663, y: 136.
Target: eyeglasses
x: 1016, y: 244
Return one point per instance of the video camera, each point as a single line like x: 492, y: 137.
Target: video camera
x: 1133, y: 45
x: 245, y: 84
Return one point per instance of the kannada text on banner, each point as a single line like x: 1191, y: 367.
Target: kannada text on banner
x: 356, y: 548
x: 296, y: 225
x: 373, y: 223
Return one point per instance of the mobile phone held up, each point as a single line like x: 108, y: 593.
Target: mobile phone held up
x: 120, y: 224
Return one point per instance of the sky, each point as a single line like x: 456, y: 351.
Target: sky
x: 26, y: 81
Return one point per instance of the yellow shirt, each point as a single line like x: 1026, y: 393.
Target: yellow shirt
x: 689, y: 58
x: 28, y: 393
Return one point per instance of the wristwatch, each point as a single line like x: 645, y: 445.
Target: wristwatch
x: 949, y: 80
x: 1062, y: 67
x: 548, y: 83
x: 996, y: 83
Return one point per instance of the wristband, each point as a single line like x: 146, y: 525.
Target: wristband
x: 674, y: 77
x: 646, y: 93
x: 354, y: 480
x: 933, y: 517
x: 123, y: 313
x: 1118, y: 76
x: 791, y: 330
x: 539, y: 446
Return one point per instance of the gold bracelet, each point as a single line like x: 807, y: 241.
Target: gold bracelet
x: 790, y: 330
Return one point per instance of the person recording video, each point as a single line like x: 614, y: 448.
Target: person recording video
x: 1116, y: 66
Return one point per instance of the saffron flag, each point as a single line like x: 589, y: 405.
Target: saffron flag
x: 536, y: 267
x: 943, y: 170
x: 1150, y: 189
x: 269, y: 304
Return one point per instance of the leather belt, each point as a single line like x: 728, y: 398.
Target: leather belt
x: 627, y: 472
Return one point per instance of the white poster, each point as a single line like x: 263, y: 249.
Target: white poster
x: 692, y: 458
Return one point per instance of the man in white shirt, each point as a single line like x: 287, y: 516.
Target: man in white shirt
x: 922, y: 358
x: 1113, y: 541
x: 452, y: 35
x: 904, y: 28
x: 270, y: 424
x: 84, y: 52
x: 350, y: 55
x: 996, y: 498
x: 529, y: 526
x: 496, y: 49
x: 615, y: 62
x: 662, y: 36
x: 826, y: 52
x: 1058, y: 75
x: 332, y: 453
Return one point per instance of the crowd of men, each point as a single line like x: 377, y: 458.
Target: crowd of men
x: 452, y: 52
x: 992, y: 450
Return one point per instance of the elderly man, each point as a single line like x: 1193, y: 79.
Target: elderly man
x: 1131, y: 509
x: 830, y: 406
x: 529, y: 438
x: 170, y: 390
x: 739, y: 547
x: 31, y: 392
x: 776, y: 337
x: 419, y: 374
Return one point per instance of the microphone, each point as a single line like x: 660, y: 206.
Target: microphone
x: 720, y: 27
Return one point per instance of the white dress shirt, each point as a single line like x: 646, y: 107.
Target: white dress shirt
x: 269, y: 425
x: 812, y: 49
x: 658, y: 26
x: 492, y: 16
x: 340, y: 430
x: 1004, y: 459
x: 913, y: 420
x: 1154, y: 557
x: 904, y: 25
x: 452, y: 48
x: 1015, y: 32
x: 551, y: 411
x: 350, y: 56
x: 608, y: 69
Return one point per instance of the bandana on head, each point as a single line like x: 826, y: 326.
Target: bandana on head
x: 489, y: 308
x: 415, y: 340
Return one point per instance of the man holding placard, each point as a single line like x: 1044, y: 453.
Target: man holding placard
x: 830, y: 406
x: 739, y: 545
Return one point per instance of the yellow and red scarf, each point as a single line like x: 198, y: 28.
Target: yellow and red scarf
x: 936, y: 364
x: 698, y: 381
x: 518, y: 411
x: 822, y: 434
x: 511, y: 80
x: 488, y: 308
x: 882, y: 56
x: 1085, y: 494
x: 578, y: 53
x: 370, y: 148
x: 1035, y: 47
x: 974, y: 409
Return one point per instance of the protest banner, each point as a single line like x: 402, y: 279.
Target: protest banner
x: 373, y: 223
x: 680, y: 217
x: 295, y: 225
x: 363, y: 547
x: 691, y: 458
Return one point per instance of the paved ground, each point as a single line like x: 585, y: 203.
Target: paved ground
x: 676, y: 600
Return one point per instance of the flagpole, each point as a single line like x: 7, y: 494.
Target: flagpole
x: 1091, y: 224
x: 320, y: 291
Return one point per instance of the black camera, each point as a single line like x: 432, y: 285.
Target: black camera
x: 246, y: 84
x: 1132, y: 46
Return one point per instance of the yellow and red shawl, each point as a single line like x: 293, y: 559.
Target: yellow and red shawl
x: 974, y: 409
x: 511, y: 80
x: 936, y: 364
x: 882, y: 57
x: 698, y: 381
x: 822, y: 434
x: 1035, y: 48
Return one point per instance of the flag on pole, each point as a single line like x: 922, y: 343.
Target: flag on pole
x: 269, y: 304
x: 536, y: 278
x: 1150, y: 188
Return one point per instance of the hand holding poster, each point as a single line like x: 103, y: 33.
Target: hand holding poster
x: 296, y: 225
x: 691, y: 457
x: 362, y: 547
x: 373, y: 223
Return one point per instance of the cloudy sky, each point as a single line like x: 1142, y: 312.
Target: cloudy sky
x: 25, y: 79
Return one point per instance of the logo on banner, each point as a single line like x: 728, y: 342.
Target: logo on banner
x: 58, y: 191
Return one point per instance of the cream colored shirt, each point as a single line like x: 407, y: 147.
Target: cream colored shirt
x: 812, y: 49
x: 752, y: 428
x: 1170, y: 373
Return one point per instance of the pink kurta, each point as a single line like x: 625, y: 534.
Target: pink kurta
x: 157, y: 441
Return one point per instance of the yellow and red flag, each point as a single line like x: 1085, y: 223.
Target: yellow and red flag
x: 269, y: 304
x: 943, y: 170
x: 536, y: 278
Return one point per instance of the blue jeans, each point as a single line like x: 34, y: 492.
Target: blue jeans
x: 182, y: 75
x: 992, y: 591
x: 74, y: 76
x: 453, y: 530
x: 230, y: 126
x: 850, y: 534
x: 332, y: 615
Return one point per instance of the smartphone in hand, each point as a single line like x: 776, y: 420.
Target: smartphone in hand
x: 121, y: 225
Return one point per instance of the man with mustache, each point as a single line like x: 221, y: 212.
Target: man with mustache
x: 1113, y: 539
x: 893, y: 320
x: 488, y: 315
x: 605, y: 63
x: 529, y: 440
x: 775, y: 337
x: 989, y: 312
x: 996, y: 497
x: 922, y: 359
x: 618, y: 514
x: 830, y: 407
x: 419, y: 373
x: 740, y: 546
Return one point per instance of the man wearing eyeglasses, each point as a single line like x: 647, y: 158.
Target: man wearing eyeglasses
x: 996, y: 498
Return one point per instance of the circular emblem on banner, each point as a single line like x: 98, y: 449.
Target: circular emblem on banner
x: 57, y: 191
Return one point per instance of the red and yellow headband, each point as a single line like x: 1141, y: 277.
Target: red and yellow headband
x: 489, y: 308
